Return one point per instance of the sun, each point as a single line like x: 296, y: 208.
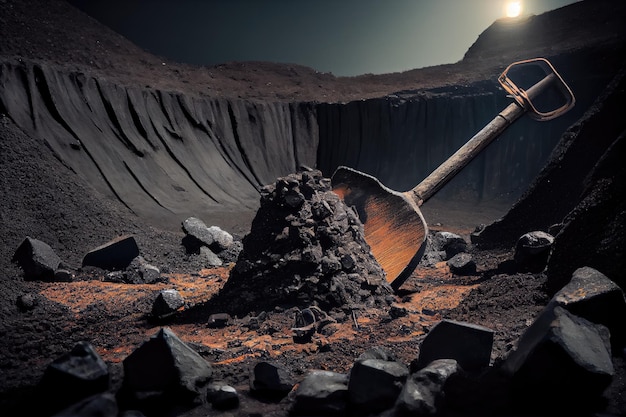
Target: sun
x: 513, y: 8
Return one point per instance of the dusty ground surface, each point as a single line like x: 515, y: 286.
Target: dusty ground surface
x: 45, y: 200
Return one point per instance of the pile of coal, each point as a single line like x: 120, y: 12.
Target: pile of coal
x: 305, y: 248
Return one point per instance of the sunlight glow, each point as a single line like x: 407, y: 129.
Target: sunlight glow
x: 513, y: 8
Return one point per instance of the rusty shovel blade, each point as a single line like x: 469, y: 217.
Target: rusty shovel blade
x: 393, y: 224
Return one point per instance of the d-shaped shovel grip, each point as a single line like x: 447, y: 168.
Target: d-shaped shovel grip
x: 524, y: 101
x: 527, y: 100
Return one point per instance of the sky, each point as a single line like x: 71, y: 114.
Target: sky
x: 344, y: 37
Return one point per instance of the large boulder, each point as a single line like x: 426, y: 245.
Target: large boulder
x: 469, y: 344
x: 560, y: 357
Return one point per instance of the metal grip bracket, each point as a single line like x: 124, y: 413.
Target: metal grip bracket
x: 561, y: 97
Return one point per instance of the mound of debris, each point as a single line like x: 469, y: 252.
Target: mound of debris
x: 305, y: 247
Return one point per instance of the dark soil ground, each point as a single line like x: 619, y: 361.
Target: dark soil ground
x: 43, y: 199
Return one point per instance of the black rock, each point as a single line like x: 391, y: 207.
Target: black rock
x: 116, y: 254
x: 37, y: 259
x: 270, y: 381
x: 73, y: 377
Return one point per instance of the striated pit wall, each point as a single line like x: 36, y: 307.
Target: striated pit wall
x: 167, y: 155
x: 164, y: 155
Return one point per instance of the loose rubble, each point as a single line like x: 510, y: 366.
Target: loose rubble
x: 560, y: 355
x: 305, y: 248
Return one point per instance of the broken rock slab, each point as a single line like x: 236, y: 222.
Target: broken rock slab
x: 592, y: 295
x: 74, y: 376
x: 114, y: 255
x: 210, y: 257
x: 469, y: 344
x: 321, y: 393
x: 37, y: 259
x: 165, y: 367
x: 374, y: 384
x: 423, y: 390
x: 270, y: 381
x: 560, y: 357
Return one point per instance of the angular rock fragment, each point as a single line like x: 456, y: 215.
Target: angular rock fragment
x: 270, y: 381
x: 450, y: 243
x: 167, y: 303
x: 37, y: 259
x: 218, y: 320
x: 469, y: 344
x: 222, y: 240
x: 141, y: 272
x: 462, y: 264
x: 211, y: 258
x: 63, y: 275
x: 424, y: 389
x: 198, y: 234
x: 532, y: 251
x: 321, y: 393
x: 374, y: 384
x: 592, y: 295
x: 116, y: 254
x: 78, y: 374
x: 165, y: 367
x: 561, y: 357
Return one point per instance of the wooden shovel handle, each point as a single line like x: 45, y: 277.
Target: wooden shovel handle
x: 446, y: 171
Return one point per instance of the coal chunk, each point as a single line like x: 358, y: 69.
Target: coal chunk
x: 37, y: 259
x: 114, y: 255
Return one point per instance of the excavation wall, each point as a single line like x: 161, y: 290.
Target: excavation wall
x: 163, y: 155
x: 167, y: 156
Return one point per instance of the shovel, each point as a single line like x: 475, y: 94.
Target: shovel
x: 393, y: 224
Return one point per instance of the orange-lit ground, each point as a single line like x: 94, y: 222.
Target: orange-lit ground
x: 434, y: 295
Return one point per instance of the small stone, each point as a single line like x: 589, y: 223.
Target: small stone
x: 218, y: 320
x: 27, y: 302
x: 222, y: 397
x: 397, y: 312
x: 462, y: 264
x: 167, y: 303
x: 211, y: 258
x: 532, y: 251
x: 63, y: 275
